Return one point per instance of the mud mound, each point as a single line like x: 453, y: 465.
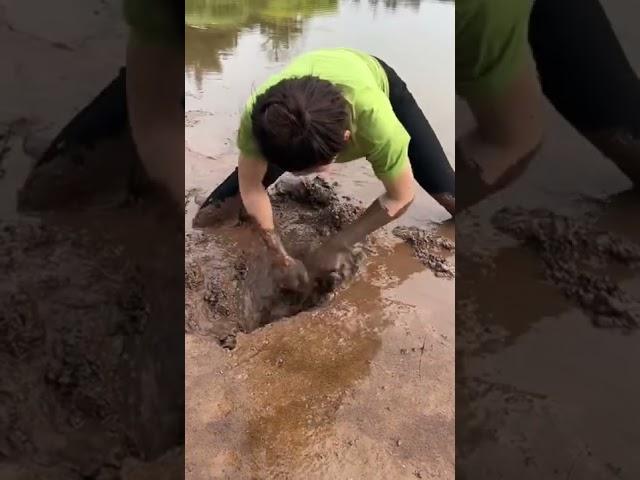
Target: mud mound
x: 314, y: 205
x: 231, y: 289
x: 71, y: 316
x: 575, y: 258
x: 430, y: 249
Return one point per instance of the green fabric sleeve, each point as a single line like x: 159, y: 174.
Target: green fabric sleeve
x: 245, y: 141
x: 491, y: 44
x: 388, y: 139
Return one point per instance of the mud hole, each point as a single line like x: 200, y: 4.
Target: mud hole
x: 431, y: 249
x: 577, y: 259
x: 231, y: 289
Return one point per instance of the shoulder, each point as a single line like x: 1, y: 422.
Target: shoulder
x: 491, y: 43
x: 375, y: 119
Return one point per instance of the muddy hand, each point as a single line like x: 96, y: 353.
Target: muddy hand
x: 326, y: 260
x: 291, y: 275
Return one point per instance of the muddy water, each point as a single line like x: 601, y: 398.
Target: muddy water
x: 528, y: 348
x: 360, y: 389
x: 360, y: 386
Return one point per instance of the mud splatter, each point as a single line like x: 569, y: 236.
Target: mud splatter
x: 431, y: 249
x: 230, y: 289
x: 575, y: 257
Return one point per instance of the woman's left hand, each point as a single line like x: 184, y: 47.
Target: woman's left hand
x: 327, y: 259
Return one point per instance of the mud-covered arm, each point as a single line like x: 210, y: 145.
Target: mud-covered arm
x: 256, y: 201
x: 399, y: 194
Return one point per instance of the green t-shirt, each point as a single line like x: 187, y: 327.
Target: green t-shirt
x: 491, y: 44
x: 376, y: 132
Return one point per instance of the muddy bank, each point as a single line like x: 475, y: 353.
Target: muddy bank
x: 72, y: 331
x: 361, y: 388
x: 90, y: 341
x: 229, y: 284
x: 431, y: 249
x: 578, y: 259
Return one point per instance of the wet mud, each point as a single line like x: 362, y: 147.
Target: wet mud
x: 359, y: 387
x: 73, y: 319
x: 431, y: 249
x: 578, y: 259
x: 231, y: 290
x: 4, y: 147
x: 91, y: 384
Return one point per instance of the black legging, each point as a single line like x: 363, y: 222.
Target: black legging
x: 429, y: 163
x: 583, y: 69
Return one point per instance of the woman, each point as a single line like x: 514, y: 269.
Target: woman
x: 326, y: 107
x: 511, y: 53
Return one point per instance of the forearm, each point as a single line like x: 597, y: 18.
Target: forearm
x: 494, y: 159
x: 509, y: 126
x: 381, y: 212
x: 258, y: 207
x: 473, y: 187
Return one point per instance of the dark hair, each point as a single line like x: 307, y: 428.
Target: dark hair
x: 299, y: 123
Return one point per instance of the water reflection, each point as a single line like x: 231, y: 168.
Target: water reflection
x: 203, y: 48
x: 214, y: 27
x: 393, y: 4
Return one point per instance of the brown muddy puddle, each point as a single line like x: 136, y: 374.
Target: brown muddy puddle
x: 546, y: 317
x: 358, y: 386
x: 549, y: 333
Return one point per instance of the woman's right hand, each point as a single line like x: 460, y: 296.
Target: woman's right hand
x: 291, y: 275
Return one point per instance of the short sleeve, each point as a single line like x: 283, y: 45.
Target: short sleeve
x: 245, y: 141
x: 491, y: 44
x: 388, y: 141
